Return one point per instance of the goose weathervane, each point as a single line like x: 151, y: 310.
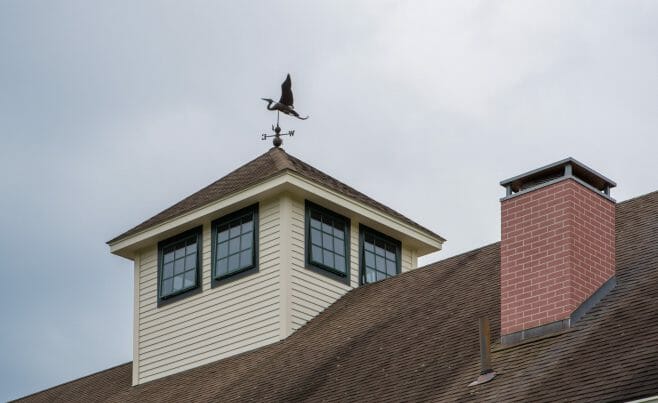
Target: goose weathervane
x: 285, y: 105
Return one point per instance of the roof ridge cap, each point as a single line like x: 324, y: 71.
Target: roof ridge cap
x: 280, y: 158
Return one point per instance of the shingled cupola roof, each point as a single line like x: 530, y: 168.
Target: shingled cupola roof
x: 265, y: 167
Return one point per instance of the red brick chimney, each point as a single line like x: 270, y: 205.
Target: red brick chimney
x: 557, y: 250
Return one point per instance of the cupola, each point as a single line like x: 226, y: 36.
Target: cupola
x: 252, y: 257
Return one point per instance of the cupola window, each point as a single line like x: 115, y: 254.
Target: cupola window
x: 234, y: 242
x: 380, y: 256
x: 178, y: 263
x: 327, y: 241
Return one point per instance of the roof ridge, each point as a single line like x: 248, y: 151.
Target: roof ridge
x: 632, y: 199
x: 280, y: 158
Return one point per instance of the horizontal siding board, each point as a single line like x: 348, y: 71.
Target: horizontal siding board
x: 218, y: 326
x: 226, y: 310
x: 209, y: 341
x: 210, y: 350
x: 216, y: 299
x: 258, y: 341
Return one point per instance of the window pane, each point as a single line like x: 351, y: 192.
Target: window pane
x: 327, y: 225
x: 222, y: 267
x: 180, y: 252
x: 179, y: 266
x: 328, y: 242
x: 233, y: 263
x: 339, y: 247
x: 370, y: 259
x: 391, y: 267
x: 246, y: 241
x: 247, y: 224
x: 328, y: 258
x: 316, y: 237
x: 369, y: 246
x: 168, y: 256
x: 339, y: 233
x: 245, y: 258
x: 167, y: 287
x: 380, y: 275
x: 316, y: 254
x: 222, y: 251
x: 379, y: 248
x: 178, y: 283
x: 315, y: 220
x: 168, y: 270
x: 234, y: 245
x: 235, y: 229
x: 380, y: 263
x: 340, y: 264
x: 370, y: 276
x: 191, y: 248
x: 190, y: 278
x: 190, y: 261
x: 222, y: 235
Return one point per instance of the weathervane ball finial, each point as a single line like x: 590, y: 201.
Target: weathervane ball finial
x: 277, y: 141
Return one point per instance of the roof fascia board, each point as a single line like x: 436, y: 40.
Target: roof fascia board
x: 430, y: 242
x: 120, y: 247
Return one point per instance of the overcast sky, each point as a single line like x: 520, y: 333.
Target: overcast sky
x: 112, y: 111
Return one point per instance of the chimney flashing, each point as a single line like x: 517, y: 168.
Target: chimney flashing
x: 554, y: 328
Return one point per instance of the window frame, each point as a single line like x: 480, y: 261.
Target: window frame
x: 319, y: 268
x: 362, y: 256
x: 245, y: 271
x: 162, y: 245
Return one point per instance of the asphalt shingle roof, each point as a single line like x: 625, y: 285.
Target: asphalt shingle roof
x: 414, y: 337
x: 264, y: 167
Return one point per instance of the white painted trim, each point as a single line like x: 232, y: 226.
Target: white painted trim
x: 363, y: 210
x: 135, y: 375
x: 119, y: 247
x: 285, y: 265
x: 424, y: 242
x: 645, y: 400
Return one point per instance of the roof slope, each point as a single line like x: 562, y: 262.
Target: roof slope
x: 266, y: 166
x: 415, y: 338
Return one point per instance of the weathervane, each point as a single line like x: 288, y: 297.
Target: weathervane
x: 284, y: 105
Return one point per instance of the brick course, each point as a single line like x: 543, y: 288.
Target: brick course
x: 557, y: 248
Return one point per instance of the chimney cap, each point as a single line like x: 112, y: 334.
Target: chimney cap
x: 568, y: 167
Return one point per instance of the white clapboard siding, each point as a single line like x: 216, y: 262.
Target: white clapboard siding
x: 218, y: 322
x: 245, y: 313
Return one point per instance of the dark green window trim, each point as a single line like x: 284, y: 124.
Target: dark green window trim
x: 187, y: 259
x: 377, y: 262
x: 242, y: 218
x: 313, y: 264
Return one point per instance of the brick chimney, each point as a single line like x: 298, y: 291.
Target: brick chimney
x: 557, y: 251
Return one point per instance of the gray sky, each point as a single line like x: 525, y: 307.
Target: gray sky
x: 112, y: 111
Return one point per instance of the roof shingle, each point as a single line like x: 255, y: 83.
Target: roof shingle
x: 266, y: 166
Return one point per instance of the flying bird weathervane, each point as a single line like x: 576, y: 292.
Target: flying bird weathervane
x: 284, y: 105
